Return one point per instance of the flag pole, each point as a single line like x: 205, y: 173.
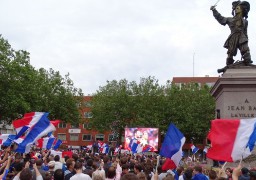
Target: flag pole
x: 224, y: 165
x: 157, y: 163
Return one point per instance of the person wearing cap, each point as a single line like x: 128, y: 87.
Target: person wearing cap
x: 51, y: 166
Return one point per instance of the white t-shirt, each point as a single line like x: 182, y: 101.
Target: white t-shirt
x: 80, y: 176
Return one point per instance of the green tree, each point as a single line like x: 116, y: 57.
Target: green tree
x: 25, y: 89
x: 120, y: 104
x: 192, y: 107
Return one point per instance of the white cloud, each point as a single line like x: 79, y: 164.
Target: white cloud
x: 100, y: 40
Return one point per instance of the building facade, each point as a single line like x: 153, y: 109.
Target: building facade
x: 210, y: 81
x: 82, y: 134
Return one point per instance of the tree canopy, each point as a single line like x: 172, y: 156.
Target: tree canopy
x: 25, y: 89
x: 121, y: 104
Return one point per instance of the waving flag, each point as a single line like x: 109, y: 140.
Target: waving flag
x: 172, y: 146
x: 193, y: 148
x: 105, y: 149
x: 29, y: 120
x: 231, y: 139
x: 45, y: 143
x: 57, y: 144
x: 41, y: 128
x: 6, y: 139
x: 117, y: 150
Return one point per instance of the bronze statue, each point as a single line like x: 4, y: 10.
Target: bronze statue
x: 238, y: 39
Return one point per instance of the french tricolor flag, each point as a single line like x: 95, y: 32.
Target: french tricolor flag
x: 172, y: 147
x: 231, y: 139
x: 6, y: 139
x: 57, y: 144
x: 193, y: 148
x: 40, y: 129
x: 29, y: 120
x: 45, y: 143
x: 105, y: 149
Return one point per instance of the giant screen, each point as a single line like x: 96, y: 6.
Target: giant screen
x: 146, y: 136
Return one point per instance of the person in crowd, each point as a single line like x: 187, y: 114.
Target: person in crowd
x: 99, y: 172
x: 187, y: 175
x: 129, y: 176
x: 58, y: 164
x: 51, y: 166
x: 212, y: 175
x: 244, y: 174
x: 229, y: 173
x: 38, y: 164
x: 125, y: 169
x: 58, y: 174
x: 88, y: 168
x: 79, y: 174
x: 70, y: 163
x: 141, y: 176
x: 138, y: 168
x: 198, y: 173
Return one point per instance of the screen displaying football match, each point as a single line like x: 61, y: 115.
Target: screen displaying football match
x: 145, y: 136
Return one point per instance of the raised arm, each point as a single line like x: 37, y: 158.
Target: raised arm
x: 222, y: 20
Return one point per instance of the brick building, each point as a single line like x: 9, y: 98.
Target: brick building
x: 210, y: 81
x: 81, y: 134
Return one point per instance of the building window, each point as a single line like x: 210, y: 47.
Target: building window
x: 62, y: 125
x: 87, y: 126
x: 87, y: 137
x: 88, y: 114
x: 88, y: 104
x: 62, y: 137
x: 74, y: 137
x: 99, y: 137
x: 111, y: 137
x: 74, y: 126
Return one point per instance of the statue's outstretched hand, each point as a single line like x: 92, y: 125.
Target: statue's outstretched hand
x: 212, y: 7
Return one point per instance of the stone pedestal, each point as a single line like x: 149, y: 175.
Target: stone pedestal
x: 235, y: 94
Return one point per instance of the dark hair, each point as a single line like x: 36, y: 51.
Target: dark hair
x: 78, y: 165
x: 212, y: 174
x: 57, y: 158
x: 58, y: 174
x: 75, y: 157
x: 39, y: 162
x: 105, y: 159
x: 111, y: 172
x: 138, y: 167
x: 244, y: 170
x: 69, y: 162
x: 26, y: 174
x: 19, y: 166
x: 89, y: 162
x: 129, y: 176
x: 188, y: 174
x: 125, y: 166
x: 198, y: 169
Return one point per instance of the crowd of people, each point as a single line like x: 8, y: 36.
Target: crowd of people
x: 82, y: 165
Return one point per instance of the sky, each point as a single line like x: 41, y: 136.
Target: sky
x: 96, y: 41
